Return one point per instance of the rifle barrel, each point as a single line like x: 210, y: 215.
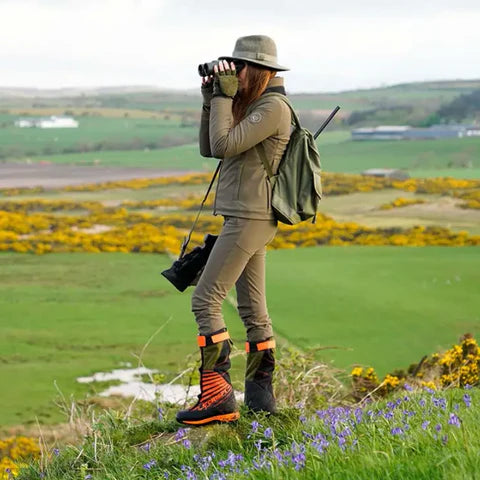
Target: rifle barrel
x: 326, y: 122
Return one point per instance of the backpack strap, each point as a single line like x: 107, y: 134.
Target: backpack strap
x: 295, y: 119
x: 261, y: 149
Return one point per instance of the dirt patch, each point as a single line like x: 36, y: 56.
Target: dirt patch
x: 18, y: 175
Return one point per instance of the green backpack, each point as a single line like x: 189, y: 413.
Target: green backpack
x: 296, y: 187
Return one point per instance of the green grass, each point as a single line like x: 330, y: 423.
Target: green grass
x: 183, y: 157
x: 422, y: 158
x: 414, y: 436
x: 91, y: 130
x: 431, y: 157
x: 69, y: 315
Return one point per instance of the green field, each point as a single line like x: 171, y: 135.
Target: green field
x: 104, y: 133
x: 69, y: 315
x: 459, y: 158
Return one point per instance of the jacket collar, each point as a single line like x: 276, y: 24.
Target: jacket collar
x: 275, y: 84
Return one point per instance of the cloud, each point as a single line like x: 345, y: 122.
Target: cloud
x: 328, y: 45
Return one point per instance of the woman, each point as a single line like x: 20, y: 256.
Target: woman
x: 238, y: 118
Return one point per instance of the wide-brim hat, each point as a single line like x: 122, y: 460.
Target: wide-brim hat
x: 256, y: 49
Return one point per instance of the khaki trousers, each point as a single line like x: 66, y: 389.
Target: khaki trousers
x: 237, y: 258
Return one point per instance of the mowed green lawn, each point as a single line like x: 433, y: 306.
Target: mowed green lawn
x: 69, y: 315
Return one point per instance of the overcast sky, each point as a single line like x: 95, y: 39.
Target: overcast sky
x: 329, y: 45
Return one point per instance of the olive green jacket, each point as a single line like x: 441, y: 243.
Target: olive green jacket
x: 243, y: 188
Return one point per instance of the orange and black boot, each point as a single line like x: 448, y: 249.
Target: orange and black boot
x: 216, y: 402
x: 259, y: 395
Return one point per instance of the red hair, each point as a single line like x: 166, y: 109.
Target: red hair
x: 257, y: 79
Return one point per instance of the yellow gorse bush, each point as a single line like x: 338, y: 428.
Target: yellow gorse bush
x: 13, y: 452
x: 458, y: 366
x: 333, y: 184
x: 117, y: 230
x: 401, y: 202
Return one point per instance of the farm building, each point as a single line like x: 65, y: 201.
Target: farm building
x: 405, y: 132
x: 393, y: 173
x: 47, y: 122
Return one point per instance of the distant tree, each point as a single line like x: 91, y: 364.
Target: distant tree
x: 463, y: 107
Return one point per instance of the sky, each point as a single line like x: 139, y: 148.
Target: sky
x: 330, y: 45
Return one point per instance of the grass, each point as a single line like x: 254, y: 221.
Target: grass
x: 92, y: 130
x: 431, y: 157
x: 414, y: 435
x: 69, y: 315
x: 423, y: 158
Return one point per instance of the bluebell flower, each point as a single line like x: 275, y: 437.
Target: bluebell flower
x: 180, y: 434
x: 186, y: 443
x: 56, y: 452
x: 254, y: 426
x: 425, y: 424
x: 160, y: 413
x: 422, y: 402
x: 438, y: 427
x: 268, y: 432
x: 149, y: 465
x: 467, y: 400
x: 444, y: 439
x: 396, y: 431
x: 146, y: 447
x: 454, y: 420
x: 407, y: 387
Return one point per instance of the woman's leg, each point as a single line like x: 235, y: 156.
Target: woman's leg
x: 239, y: 240
x: 260, y: 345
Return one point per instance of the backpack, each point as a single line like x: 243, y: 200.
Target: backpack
x: 296, y: 187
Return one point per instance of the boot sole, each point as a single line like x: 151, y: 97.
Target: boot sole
x: 229, y: 417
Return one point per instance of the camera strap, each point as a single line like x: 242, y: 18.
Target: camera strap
x: 186, y: 239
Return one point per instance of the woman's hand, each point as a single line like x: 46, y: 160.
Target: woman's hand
x: 225, y: 83
x: 207, y: 89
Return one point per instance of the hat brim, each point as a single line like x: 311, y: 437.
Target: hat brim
x: 270, y: 65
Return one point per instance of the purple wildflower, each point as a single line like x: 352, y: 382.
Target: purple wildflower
x: 425, y: 424
x: 467, y: 387
x: 444, y: 439
x: 186, y: 443
x: 438, y: 427
x: 180, y: 434
x: 422, y: 402
x: 388, y: 415
x: 166, y: 475
x: 146, y: 447
x: 302, y: 418
x: 87, y: 477
x: 268, y: 433
x: 396, y: 431
x: 160, y: 413
x: 407, y: 387
x: 454, y: 420
x: 149, y: 465
x: 56, y: 452
x: 467, y: 399
x: 254, y: 426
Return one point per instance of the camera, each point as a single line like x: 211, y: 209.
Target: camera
x: 206, y: 69
x: 187, y: 269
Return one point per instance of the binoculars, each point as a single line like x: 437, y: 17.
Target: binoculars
x: 206, y: 69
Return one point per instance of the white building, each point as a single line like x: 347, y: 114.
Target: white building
x: 47, y: 122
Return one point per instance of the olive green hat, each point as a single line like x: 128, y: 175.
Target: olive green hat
x: 256, y: 49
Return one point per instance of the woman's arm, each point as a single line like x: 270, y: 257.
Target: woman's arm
x: 227, y: 141
x: 262, y: 122
x: 204, y: 135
